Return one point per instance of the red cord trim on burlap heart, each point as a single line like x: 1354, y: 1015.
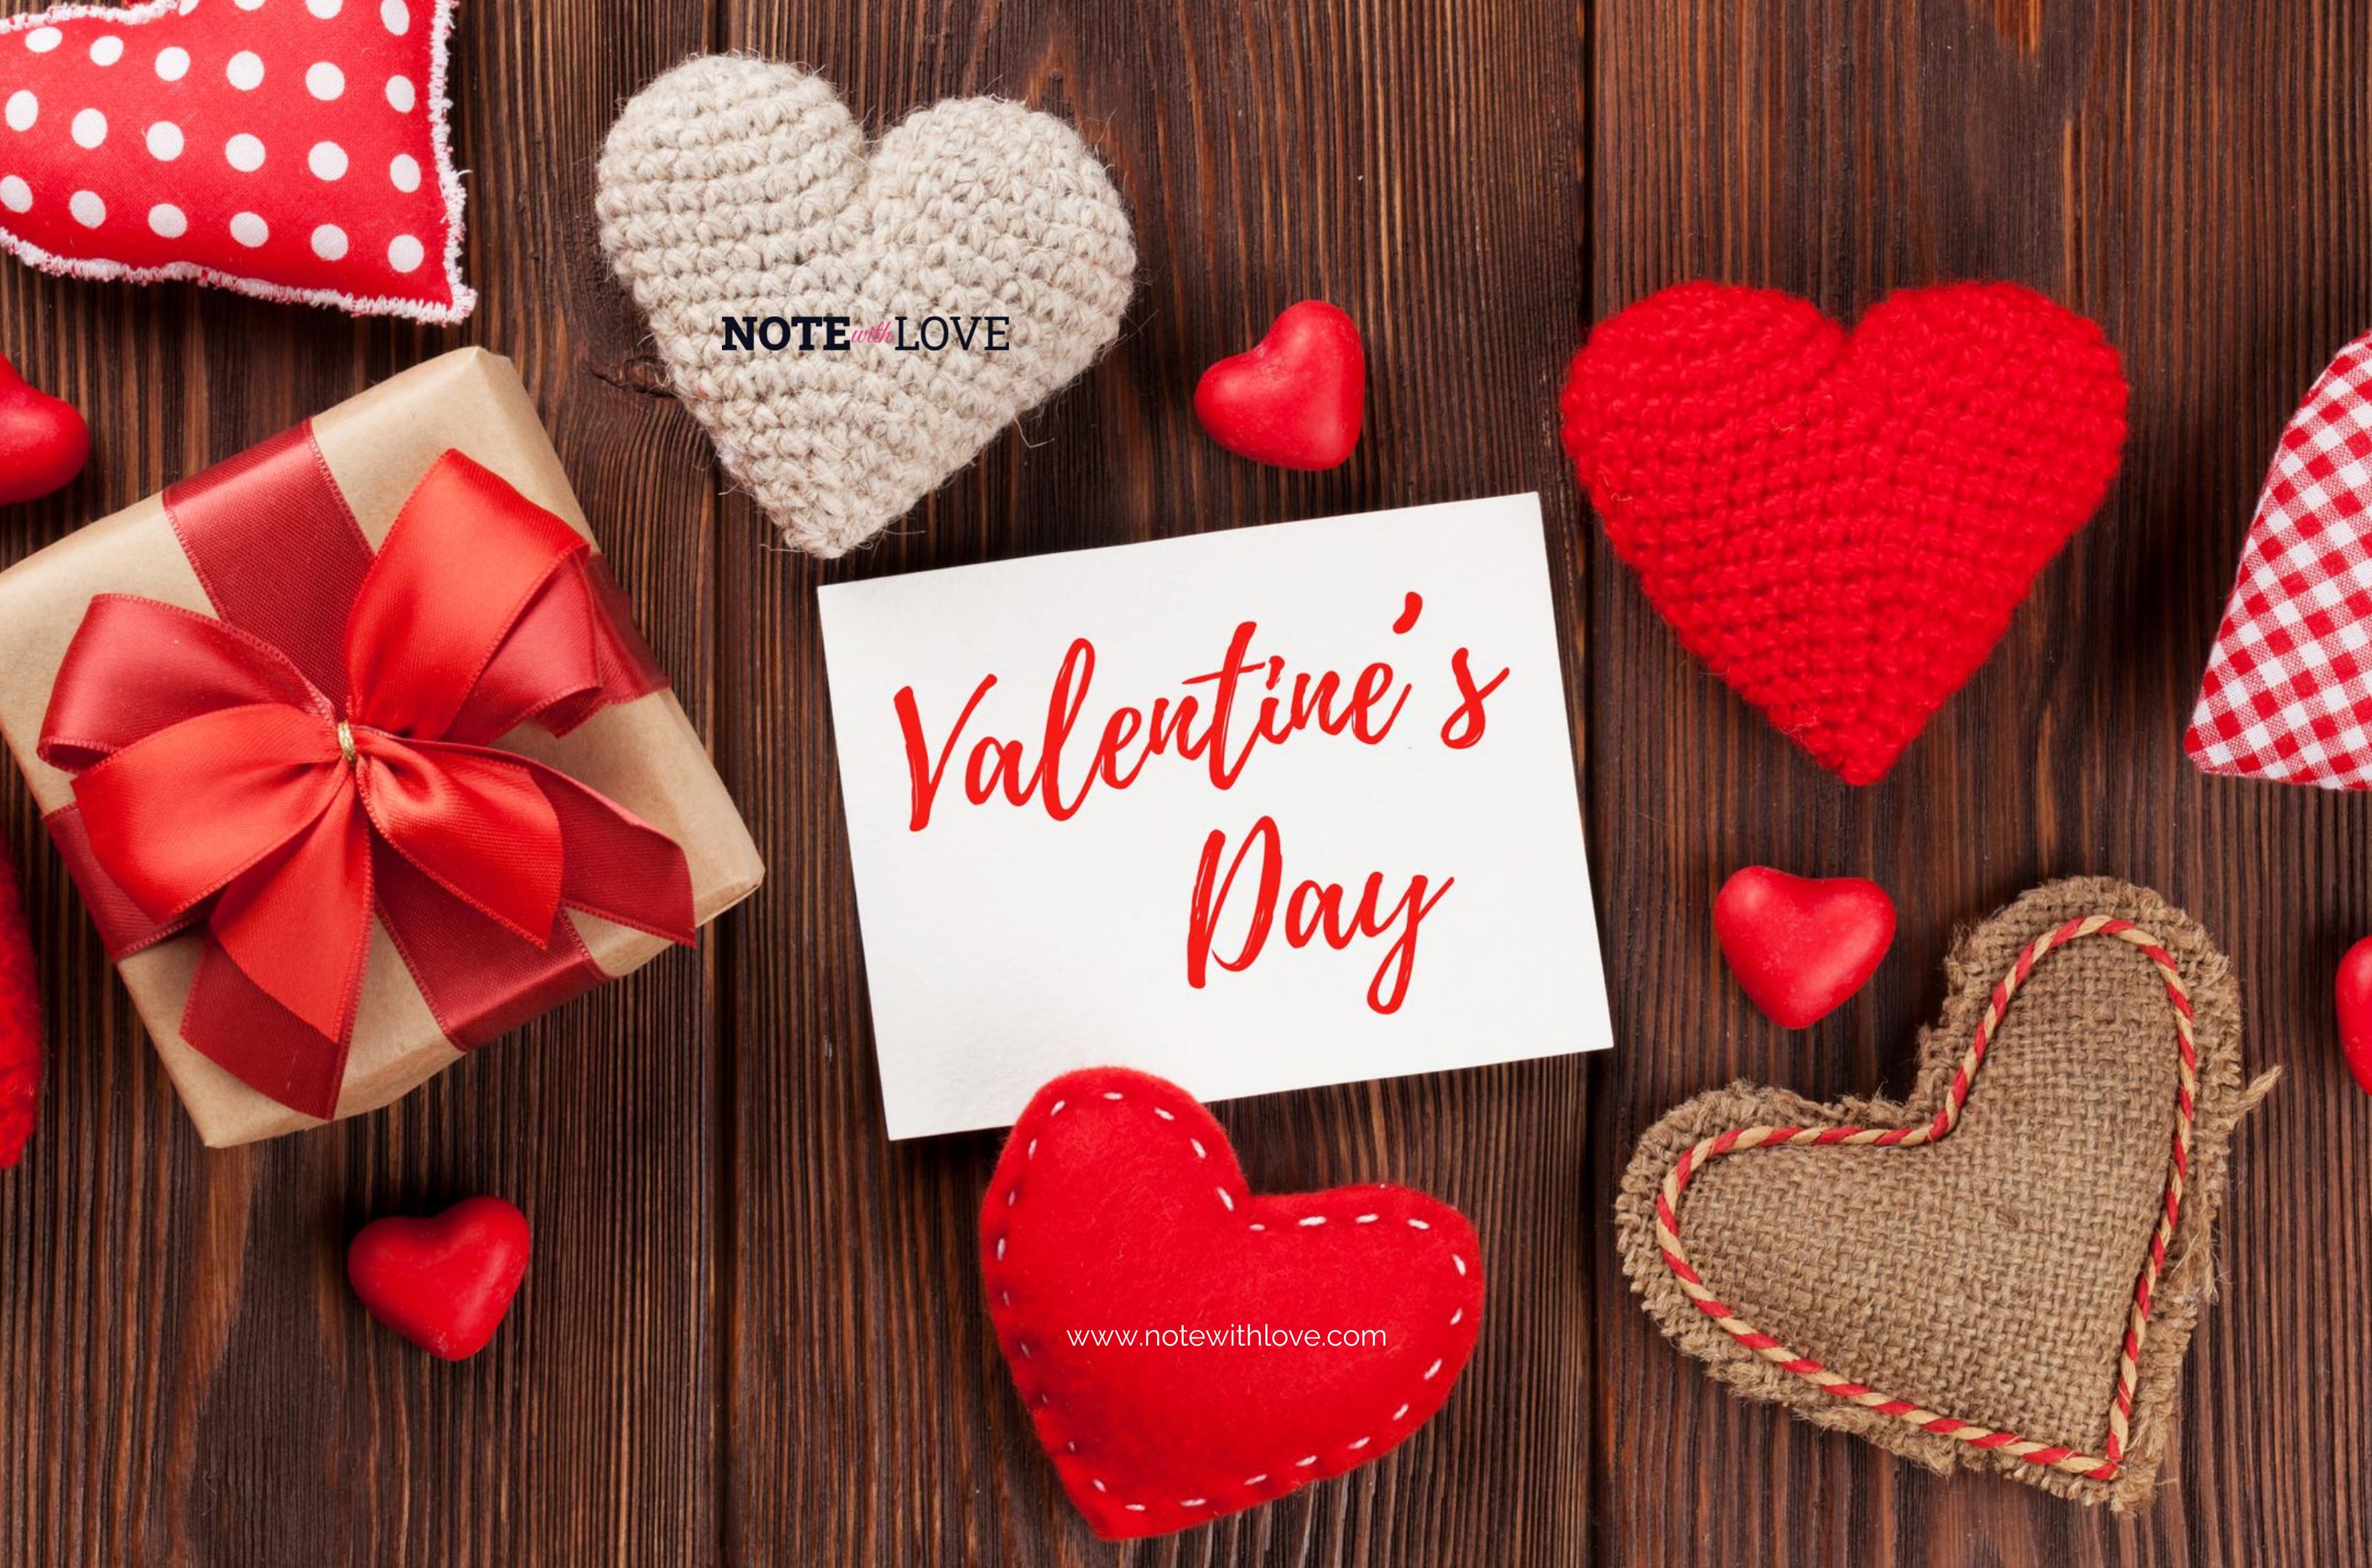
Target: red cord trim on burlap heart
x: 1738, y: 1140
x: 1285, y: 1476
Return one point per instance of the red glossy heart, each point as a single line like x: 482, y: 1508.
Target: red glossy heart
x: 2354, y: 988
x: 446, y: 1283
x: 1117, y: 1211
x: 1840, y: 525
x: 43, y: 441
x: 1298, y: 398
x: 1799, y: 946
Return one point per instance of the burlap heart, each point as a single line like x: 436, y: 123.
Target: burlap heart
x: 733, y: 189
x: 2004, y: 1271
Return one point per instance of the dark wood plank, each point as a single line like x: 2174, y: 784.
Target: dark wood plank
x: 1415, y: 165
x: 187, y: 1379
x: 2194, y: 177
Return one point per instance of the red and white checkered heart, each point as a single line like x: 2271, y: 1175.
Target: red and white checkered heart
x: 2288, y: 690
x: 289, y: 149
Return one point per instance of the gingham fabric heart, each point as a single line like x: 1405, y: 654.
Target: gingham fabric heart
x: 2289, y: 691
x: 289, y: 149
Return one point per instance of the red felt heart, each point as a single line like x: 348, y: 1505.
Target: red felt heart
x: 444, y: 1283
x: 1799, y: 946
x: 1841, y: 524
x: 2354, y: 989
x: 1297, y: 398
x: 294, y: 151
x: 1117, y: 1211
x: 43, y: 441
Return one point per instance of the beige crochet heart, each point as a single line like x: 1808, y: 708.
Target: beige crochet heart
x: 735, y: 188
x: 1957, y: 1278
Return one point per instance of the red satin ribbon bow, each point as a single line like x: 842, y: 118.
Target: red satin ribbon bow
x: 220, y: 779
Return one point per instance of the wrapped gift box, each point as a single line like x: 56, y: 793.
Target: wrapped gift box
x: 641, y: 753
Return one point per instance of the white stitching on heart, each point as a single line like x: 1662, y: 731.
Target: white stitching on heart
x: 1228, y: 1202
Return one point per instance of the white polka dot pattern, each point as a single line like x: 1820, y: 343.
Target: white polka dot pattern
x: 240, y: 142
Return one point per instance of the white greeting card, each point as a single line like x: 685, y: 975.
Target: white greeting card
x: 1253, y: 810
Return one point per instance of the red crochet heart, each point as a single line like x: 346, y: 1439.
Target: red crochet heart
x: 21, y: 1022
x: 1841, y: 524
x: 444, y: 1283
x: 293, y: 150
x: 1117, y: 1211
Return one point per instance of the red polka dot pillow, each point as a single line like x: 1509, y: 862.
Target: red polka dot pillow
x: 289, y: 149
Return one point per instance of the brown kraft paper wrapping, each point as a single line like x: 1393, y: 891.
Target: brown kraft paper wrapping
x: 644, y: 754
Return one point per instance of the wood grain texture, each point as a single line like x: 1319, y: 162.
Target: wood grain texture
x: 2193, y: 178
x: 752, y: 1335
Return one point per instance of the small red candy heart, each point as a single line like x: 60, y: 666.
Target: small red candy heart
x: 43, y: 441
x: 1295, y: 399
x: 444, y: 1283
x: 1118, y: 1228
x: 2356, y: 1011
x: 1799, y: 946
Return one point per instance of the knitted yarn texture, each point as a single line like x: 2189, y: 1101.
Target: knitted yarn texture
x: 1840, y: 525
x: 734, y: 188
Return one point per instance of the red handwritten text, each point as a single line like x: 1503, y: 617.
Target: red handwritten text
x: 1313, y: 911
x: 1220, y: 722
x: 1131, y: 737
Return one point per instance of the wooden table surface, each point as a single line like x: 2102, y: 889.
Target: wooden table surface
x: 752, y: 1333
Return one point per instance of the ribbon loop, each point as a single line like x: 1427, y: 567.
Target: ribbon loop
x: 422, y: 633
x: 176, y: 816
x: 139, y: 666
x: 474, y: 823
x: 217, y: 776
